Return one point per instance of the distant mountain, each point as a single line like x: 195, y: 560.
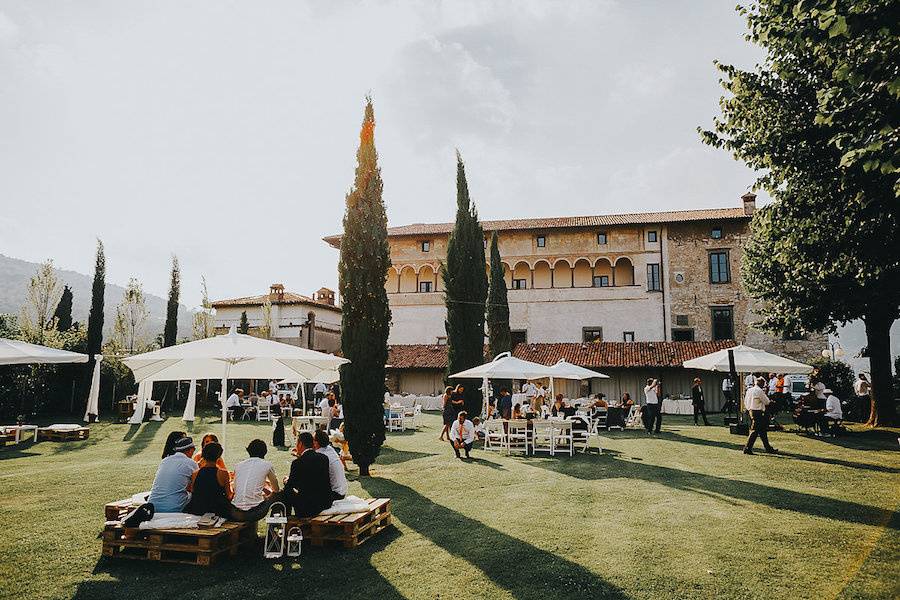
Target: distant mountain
x: 15, y: 275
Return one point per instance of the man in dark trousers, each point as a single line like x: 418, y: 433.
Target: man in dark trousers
x: 698, y: 401
x: 308, y: 488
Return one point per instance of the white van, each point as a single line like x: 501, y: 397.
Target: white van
x: 797, y: 385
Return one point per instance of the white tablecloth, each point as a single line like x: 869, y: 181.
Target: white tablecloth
x: 410, y: 400
x: 677, y: 406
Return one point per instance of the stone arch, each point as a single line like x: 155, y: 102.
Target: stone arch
x: 507, y: 274
x: 624, y: 271
x: 603, y: 268
x: 426, y: 273
x: 542, y: 274
x: 562, y: 273
x: 392, y: 281
x: 582, y: 273
x: 522, y: 270
x: 408, y: 280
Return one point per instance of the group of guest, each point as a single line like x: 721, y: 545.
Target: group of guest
x: 200, y: 483
x: 329, y: 406
x: 235, y: 403
x: 820, y: 408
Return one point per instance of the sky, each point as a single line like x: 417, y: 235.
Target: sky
x: 225, y: 132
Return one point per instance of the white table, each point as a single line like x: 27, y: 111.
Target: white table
x: 677, y: 406
x: 19, y: 429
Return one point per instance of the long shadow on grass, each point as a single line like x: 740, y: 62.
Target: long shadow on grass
x: 329, y: 572
x: 585, y: 468
x: 538, y: 574
x: 141, y: 439
x: 391, y: 456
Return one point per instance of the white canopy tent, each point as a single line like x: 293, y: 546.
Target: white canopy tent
x: 14, y: 352
x: 230, y: 356
x: 746, y: 360
x: 566, y: 370
x: 504, y: 366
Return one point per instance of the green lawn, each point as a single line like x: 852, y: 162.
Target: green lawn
x: 679, y: 515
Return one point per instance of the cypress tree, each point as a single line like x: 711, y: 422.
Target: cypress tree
x: 244, y: 325
x: 170, y: 332
x: 466, y: 285
x: 63, y: 313
x: 499, y: 335
x: 366, y: 317
x: 95, y: 316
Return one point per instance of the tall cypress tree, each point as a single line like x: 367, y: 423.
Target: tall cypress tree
x: 244, y: 325
x: 95, y: 316
x: 63, y: 313
x: 466, y: 285
x: 366, y: 317
x: 170, y: 332
x: 499, y: 335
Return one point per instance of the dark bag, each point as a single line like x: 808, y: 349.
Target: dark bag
x: 142, y: 513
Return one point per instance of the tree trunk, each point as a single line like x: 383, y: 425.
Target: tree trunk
x: 878, y: 338
x: 363, y: 470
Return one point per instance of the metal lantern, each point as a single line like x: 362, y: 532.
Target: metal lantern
x: 276, y: 523
x: 294, y: 541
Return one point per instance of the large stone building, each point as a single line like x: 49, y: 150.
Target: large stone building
x: 292, y: 318
x: 639, y: 277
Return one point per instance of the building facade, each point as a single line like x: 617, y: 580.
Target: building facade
x: 666, y: 276
x: 309, y: 322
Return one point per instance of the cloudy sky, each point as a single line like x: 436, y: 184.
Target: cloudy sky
x: 225, y: 132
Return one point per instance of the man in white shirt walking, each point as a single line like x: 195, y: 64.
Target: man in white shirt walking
x: 651, y: 412
x: 462, y: 434
x: 756, y: 401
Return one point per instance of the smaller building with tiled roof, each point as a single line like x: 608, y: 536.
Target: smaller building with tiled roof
x: 306, y: 321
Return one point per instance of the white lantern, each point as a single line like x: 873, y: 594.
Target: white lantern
x: 276, y: 523
x: 294, y: 541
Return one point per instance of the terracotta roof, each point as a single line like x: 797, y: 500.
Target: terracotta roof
x: 288, y: 298
x: 589, y: 355
x: 675, y: 216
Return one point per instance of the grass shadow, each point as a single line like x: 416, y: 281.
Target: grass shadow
x: 391, y: 456
x: 141, y: 439
x: 249, y: 574
x: 538, y: 575
x: 778, y: 498
x: 17, y: 452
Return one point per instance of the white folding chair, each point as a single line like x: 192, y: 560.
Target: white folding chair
x: 562, y: 440
x: 634, y: 417
x: 395, y: 419
x: 581, y: 432
x: 494, y: 436
x: 263, y: 411
x: 517, y: 436
x: 599, y: 420
x: 541, y: 436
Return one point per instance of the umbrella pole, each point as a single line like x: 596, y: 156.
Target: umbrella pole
x: 222, y: 398
x: 485, y: 394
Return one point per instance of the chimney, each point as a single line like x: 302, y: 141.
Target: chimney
x: 749, y: 203
x: 276, y: 292
x: 325, y: 296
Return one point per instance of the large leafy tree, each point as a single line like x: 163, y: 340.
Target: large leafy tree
x: 366, y: 316
x: 499, y: 335
x: 819, y: 119
x: 202, y: 323
x: 95, y: 316
x: 63, y: 313
x: 170, y: 331
x: 37, y: 317
x: 131, y: 316
x: 466, y: 289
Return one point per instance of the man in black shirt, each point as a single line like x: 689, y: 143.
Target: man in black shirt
x: 308, y: 488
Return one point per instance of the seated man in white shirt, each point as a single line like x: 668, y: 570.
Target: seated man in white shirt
x: 833, y: 413
x: 462, y: 434
x: 324, y: 407
x: 234, y: 403
x: 336, y: 474
x: 255, y: 485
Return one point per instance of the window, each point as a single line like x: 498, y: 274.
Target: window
x: 424, y: 287
x: 592, y: 334
x: 682, y: 320
x: 682, y: 335
x: 628, y: 336
x: 541, y: 241
x: 601, y: 238
x: 601, y: 280
x: 518, y: 337
x: 442, y: 340
x: 716, y: 233
x: 722, y: 323
x: 651, y: 236
x: 718, y: 267
x: 653, y: 282
x: 426, y: 246
x: 520, y: 284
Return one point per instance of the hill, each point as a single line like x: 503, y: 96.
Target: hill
x: 15, y: 274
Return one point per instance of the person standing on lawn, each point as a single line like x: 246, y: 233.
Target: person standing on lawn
x: 698, y: 401
x: 652, y: 412
x: 756, y: 401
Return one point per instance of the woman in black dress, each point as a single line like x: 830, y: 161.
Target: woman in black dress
x: 447, y: 413
x: 278, y: 424
x: 210, y: 486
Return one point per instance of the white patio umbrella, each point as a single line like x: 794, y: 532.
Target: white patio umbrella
x: 230, y: 356
x: 504, y: 366
x: 746, y: 360
x: 14, y: 352
x: 566, y: 370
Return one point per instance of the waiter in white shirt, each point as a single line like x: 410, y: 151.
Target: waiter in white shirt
x: 728, y: 392
x: 833, y: 413
x: 462, y: 434
x: 234, y: 403
x: 319, y: 391
x: 756, y: 401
